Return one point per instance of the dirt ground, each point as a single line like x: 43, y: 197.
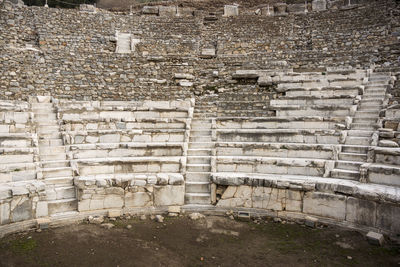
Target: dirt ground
x: 180, y: 241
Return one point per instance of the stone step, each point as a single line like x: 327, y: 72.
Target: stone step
x: 378, y: 95
x: 51, y: 142
x: 345, y: 174
x: 62, y: 205
x: 363, y: 126
x: 201, y: 139
x: 371, y: 106
x: 360, y: 133
x: 198, y: 176
x: 355, y: 149
x: 45, y: 117
x: 41, y: 105
x: 348, y: 165
x: 51, y: 150
x: 197, y: 187
x: 43, y: 110
x: 375, y: 88
x: 59, y: 181
x: 199, y: 152
x: 201, y: 145
x: 375, y: 78
x: 55, y: 164
x: 65, y: 192
x: 365, y: 120
x: 371, y: 101
x: 197, y: 198
x: 49, y: 135
x: 371, y: 97
x: 200, y: 133
x: 366, y: 114
x: 57, y: 172
x: 48, y: 128
x: 53, y: 157
x: 198, y: 160
x: 48, y: 123
x: 198, y: 167
x: 353, y: 157
x: 357, y: 140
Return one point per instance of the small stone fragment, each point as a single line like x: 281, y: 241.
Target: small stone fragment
x: 129, y: 226
x: 376, y: 239
x: 159, y: 218
x: 107, y: 225
x: 310, y: 221
x: 96, y: 220
x: 195, y: 216
x: 143, y: 217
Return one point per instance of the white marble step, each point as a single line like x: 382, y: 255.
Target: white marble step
x: 197, y: 198
x: 198, y: 167
x: 348, y: 165
x: 201, y: 145
x: 62, y: 205
x: 353, y: 157
x: 198, y: 160
x: 357, y: 140
x: 57, y: 172
x: 360, y: 133
x: 51, y: 142
x: 355, y: 149
x: 197, y: 187
x: 59, y: 181
x: 200, y: 133
x: 345, y: 174
x: 198, y: 176
x: 55, y: 164
x: 51, y: 150
x: 53, y: 157
x: 199, y: 152
x: 201, y: 139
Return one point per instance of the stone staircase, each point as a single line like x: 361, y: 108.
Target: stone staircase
x: 55, y: 167
x: 198, y: 168
x: 354, y: 151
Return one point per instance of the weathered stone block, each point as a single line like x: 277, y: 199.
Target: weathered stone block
x: 150, y: 10
x: 169, y: 195
x: 167, y: 11
x: 318, y: 5
x: 113, y: 201
x: 21, y: 209
x: 388, y: 217
x: 231, y: 10
x: 4, y: 213
x: 361, y: 211
x: 42, y: 209
x: 325, y: 205
x: 138, y: 199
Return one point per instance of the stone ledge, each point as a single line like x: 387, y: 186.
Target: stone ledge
x: 375, y: 192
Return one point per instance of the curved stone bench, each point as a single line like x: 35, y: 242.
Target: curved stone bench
x: 337, y: 201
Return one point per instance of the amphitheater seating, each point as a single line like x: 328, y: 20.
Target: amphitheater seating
x: 125, y: 138
x: 17, y: 142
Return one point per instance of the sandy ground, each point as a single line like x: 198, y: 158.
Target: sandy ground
x: 180, y: 241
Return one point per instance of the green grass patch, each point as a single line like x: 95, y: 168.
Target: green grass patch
x: 23, y: 246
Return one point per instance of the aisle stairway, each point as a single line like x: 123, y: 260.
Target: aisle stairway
x: 199, y: 157
x: 354, y: 152
x: 55, y: 167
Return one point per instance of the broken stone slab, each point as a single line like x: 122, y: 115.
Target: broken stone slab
x: 107, y: 225
x: 167, y: 11
x: 208, y: 53
x: 150, y: 10
x: 310, y: 221
x: 280, y: 9
x: 87, y: 8
x: 374, y: 238
x: 318, y: 5
x: 159, y: 218
x: 388, y: 143
x: 246, y: 74
x: 196, y: 216
x: 114, y: 213
x: 185, y: 76
x: 297, y: 8
x: 43, y: 223
x: 264, y: 81
x: 231, y: 10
